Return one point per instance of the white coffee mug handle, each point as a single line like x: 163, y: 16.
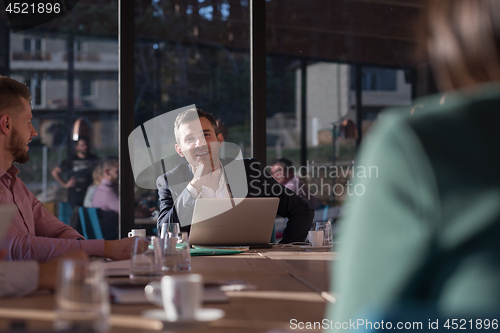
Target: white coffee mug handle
x: 130, y: 233
x: 153, y: 293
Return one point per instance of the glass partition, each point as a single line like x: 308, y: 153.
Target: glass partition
x: 70, y: 65
x: 332, y: 66
x: 193, y: 52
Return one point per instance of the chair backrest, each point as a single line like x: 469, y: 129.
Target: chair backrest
x: 273, y: 235
x: 89, y: 219
x: 65, y: 211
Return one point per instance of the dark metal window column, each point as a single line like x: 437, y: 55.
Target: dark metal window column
x: 126, y: 77
x: 359, y: 101
x: 258, y: 79
x: 4, y: 49
x: 70, y: 108
x: 303, y: 112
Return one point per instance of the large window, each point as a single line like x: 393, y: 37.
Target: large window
x: 191, y: 53
x: 77, y: 51
x: 331, y: 67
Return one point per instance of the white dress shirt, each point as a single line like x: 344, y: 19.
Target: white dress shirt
x: 208, y: 192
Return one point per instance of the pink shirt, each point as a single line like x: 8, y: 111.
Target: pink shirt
x: 301, y: 188
x: 106, y: 197
x: 35, y: 233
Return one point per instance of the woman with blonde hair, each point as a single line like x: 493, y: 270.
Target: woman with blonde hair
x: 97, y: 176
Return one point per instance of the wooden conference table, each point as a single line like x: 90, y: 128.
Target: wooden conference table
x: 289, y: 285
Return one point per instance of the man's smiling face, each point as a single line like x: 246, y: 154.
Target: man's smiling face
x: 197, y: 142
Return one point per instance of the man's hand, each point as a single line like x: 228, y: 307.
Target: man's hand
x: 47, y: 276
x: 56, y: 172
x: 203, y: 169
x: 122, y: 248
x: 70, y: 183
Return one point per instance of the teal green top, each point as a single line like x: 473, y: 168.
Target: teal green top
x: 427, y: 226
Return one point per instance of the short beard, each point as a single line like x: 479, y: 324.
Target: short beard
x: 18, y: 149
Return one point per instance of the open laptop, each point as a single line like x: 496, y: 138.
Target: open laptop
x: 233, y: 222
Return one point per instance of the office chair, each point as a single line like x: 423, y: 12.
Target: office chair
x: 64, y: 212
x: 90, y: 222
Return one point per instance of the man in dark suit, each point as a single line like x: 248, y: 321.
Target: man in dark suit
x: 206, y: 176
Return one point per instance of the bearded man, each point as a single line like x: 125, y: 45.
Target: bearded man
x: 35, y: 234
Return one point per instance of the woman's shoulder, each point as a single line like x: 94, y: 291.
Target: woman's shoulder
x: 448, y: 106
x: 446, y: 116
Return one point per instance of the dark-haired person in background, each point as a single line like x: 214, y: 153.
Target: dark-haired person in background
x: 78, y: 170
x: 283, y: 172
x: 427, y: 229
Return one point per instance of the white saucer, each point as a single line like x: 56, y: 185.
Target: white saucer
x: 203, y: 316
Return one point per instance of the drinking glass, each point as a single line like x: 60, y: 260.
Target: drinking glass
x: 326, y: 227
x: 82, y: 301
x: 170, y: 254
x: 174, y: 228
x: 184, y: 261
x: 145, y: 259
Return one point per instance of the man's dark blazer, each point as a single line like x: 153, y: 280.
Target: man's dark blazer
x: 176, y: 201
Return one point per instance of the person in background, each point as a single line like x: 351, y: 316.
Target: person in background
x: 106, y: 198
x: 146, y: 204
x: 283, y: 172
x: 426, y: 229
x: 106, y: 194
x: 21, y: 278
x: 97, y: 176
x: 35, y: 234
x: 78, y: 170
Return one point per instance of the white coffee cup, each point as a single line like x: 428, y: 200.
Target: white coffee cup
x: 137, y: 232
x: 326, y: 227
x: 316, y: 238
x: 180, y: 296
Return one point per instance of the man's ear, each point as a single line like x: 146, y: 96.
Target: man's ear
x: 220, y: 138
x: 5, y: 123
x: 178, y: 150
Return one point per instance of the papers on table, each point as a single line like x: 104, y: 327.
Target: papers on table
x: 117, y: 268
x: 125, y: 291
x: 128, y: 293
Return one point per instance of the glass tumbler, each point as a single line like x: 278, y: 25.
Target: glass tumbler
x: 184, y: 261
x: 174, y: 228
x: 82, y: 300
x: 145, y: 259
x: 170, y: 254
x: 326, y: 227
